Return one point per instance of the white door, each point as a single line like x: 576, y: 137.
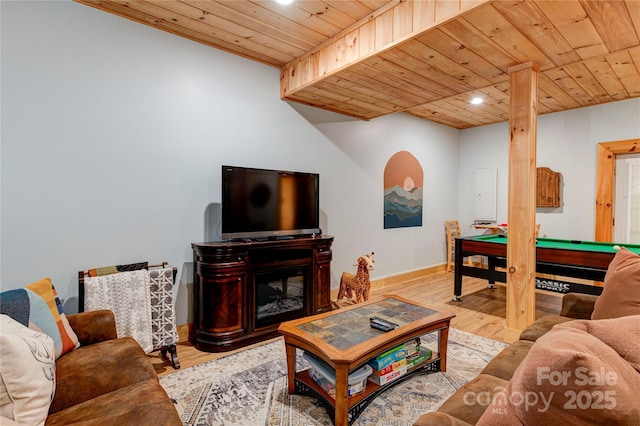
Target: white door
x: 627, y: 200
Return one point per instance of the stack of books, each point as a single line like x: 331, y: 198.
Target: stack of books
x: 398, y: 361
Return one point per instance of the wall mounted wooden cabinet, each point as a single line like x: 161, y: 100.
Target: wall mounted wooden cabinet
x: 548, y: 193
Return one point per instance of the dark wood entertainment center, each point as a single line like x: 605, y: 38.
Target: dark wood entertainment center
x: 226, y: 275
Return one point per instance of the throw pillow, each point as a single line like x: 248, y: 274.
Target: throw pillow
x: 580, y: 372
x: 38, y: 307
x: 27, y: 372
x: 621, y: 293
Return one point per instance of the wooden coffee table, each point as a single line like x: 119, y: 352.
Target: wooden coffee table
x: 345, y: 340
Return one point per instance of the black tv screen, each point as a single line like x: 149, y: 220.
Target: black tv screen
x: 261, y: 203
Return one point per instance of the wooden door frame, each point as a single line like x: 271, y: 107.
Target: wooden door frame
x: 606, y: 184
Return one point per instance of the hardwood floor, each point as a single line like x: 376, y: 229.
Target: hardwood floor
x: 481, y: 312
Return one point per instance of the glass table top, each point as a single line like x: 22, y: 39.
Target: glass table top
x: 345, y: 329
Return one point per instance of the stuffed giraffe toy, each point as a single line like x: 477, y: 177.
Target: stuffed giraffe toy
x: 358, y: 283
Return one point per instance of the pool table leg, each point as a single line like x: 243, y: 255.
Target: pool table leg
x: 457, y: 272
x: 491, y: 261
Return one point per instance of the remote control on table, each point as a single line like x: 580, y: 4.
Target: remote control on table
x: 381, y: 324
x: 381, y: 327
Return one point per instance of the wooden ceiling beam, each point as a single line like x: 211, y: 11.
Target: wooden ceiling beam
x: 387, y: 28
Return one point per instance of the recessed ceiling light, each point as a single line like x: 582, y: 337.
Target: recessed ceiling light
x: 477, y: 100
x: 284, y: 1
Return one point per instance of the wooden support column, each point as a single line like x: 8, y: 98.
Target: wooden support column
x: 521, y: 243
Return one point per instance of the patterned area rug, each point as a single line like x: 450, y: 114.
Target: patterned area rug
x: 250, y: 388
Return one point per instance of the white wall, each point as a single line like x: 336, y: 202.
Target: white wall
x: 357, y: 202
x: 113, y: 134
x: 567, y: 143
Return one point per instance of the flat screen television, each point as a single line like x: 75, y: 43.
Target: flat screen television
x: 262, y: 203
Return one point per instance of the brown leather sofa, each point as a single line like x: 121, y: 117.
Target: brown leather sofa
x: 457, y: 409
x: 107, y: 380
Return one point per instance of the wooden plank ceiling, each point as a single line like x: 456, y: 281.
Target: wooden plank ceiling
x: 427, y: 58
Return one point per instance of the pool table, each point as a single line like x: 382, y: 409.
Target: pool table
x: 568, y: 258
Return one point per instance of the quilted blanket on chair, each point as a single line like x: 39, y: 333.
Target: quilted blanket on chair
x: 127, y: 294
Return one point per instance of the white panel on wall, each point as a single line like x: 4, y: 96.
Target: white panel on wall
x: 485, y: 202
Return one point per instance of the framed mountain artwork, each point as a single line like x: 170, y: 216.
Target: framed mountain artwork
x: 403, y: 187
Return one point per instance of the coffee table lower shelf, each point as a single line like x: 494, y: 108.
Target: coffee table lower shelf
x: 305, y: 385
